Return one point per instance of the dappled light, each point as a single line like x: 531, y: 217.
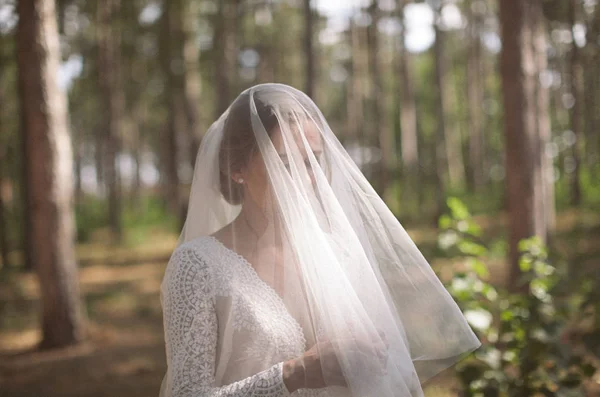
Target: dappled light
x: 476, y: 122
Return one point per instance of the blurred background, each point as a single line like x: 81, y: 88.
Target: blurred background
x: 478, y: 121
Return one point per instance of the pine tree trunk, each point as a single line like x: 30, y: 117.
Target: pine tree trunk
x: 138, y: 124
x: 408, y: 109
x: 445, y: 103
x: 544, y: 127
x: 575, y: 113
x: 309, y: 54
x: 381, y: 126
x: 77, y: 138
x: 441, y: 153
x: 4, y: 249
x: 175, y: 138
x: 475, y: 91
x: 99, y: 160
x: 193, y: 81
x: 226, y: 50
x: 592, y: 91
x: 522, y: 34
x: 113, y: 103
x: 49, y: 175
x: 355, y: 96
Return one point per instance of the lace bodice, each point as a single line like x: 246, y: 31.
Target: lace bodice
x: 227, y: 331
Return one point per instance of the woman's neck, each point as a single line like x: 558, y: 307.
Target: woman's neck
x: 256, y: 225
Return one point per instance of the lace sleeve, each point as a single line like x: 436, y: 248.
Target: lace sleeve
x: 191, y: 332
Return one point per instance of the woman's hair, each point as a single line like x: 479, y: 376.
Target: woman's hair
x: 239, y: 143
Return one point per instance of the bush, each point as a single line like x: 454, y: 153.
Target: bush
x: 526, y: 349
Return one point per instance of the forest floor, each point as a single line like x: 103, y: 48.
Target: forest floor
x: 124, y: 353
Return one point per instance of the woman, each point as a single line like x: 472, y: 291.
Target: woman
x: 292, y: 276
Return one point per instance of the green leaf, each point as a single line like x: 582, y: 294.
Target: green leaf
x: 525, y: 264
x: 507, y: 315
x: 445, y: 222
x: 474, y: 229
x: 480, y: 269
x: 470, y: 248
x: 458, y: 209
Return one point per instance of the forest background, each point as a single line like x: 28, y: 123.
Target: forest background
x: 478, y: 121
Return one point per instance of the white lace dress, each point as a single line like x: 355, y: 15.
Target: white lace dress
x: 227, y: 331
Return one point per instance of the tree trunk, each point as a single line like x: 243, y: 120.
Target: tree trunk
x: 113, y: 103
x: 475, y: 91
x: 592, y: 91
x: 544, y: 127
x: 408, y: 116
x: 226, y: 50
x: 575, y: 113
x: 193, y: 81
x: 441, y: 153
x: 137, y: 125
x: 175, y: 138
x: 49, y: 174
x: 99, y: 160
x: 78, y: 160
x: 522, y: 34
x: 309, y: 50
x: 445, y: 104
x: 355, y: 95
x: 381, y: 126
x: 4, y: 249
x: 408, y: 108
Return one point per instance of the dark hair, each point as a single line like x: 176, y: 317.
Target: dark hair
x: 239, y: 143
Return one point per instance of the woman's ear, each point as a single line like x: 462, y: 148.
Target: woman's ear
x: 238, y: 178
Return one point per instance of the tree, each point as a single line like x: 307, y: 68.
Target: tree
x: 181, y: 73
x: 408, y: 111
x: 475, y: 92
x: 192, y: 78
x: 175, y: 137
x: 381, y: 126
x: 49, y: 178
x: 3, y: 160
x: 441, y: 144
x: 354, y: 111
x: 575, y: 114
x: 448, y: 134
x: 309, y: 50
x: 592, y: 88
x: 523, y: 44
x: 225, y: 39
x: 113, y: 101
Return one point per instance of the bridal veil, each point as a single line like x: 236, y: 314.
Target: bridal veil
x: 346, y: 269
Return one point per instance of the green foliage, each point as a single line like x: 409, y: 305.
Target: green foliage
x: 146, y: 217
x: 90, y: 214
x: 525, y: 347
x: 139, y: 219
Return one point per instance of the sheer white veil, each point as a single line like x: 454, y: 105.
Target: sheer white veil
x: 346, y: 267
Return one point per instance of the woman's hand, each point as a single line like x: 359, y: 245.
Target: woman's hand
x: 319, y: 366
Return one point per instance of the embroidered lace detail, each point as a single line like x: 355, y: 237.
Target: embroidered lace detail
x: 190, y: 290
x: 275, y: 300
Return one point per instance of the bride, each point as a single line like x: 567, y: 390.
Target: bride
x: 291, y: 275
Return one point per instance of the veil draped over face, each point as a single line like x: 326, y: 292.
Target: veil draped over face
x: 317, y: 233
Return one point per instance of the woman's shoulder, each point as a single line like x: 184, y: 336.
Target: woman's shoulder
x: 202, y: 260
x: 190, y: 261
x: 201, y: 250
x: 207, y: 251
x: 198, y: 245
